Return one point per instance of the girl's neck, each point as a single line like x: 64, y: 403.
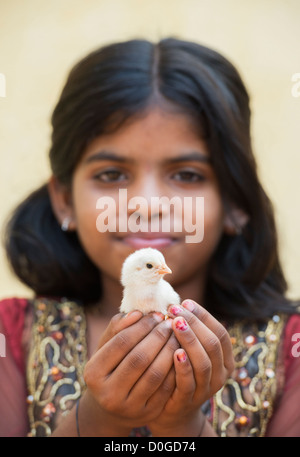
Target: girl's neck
x: 110, y: 301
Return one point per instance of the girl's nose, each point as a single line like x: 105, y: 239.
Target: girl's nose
x: 144, y: 196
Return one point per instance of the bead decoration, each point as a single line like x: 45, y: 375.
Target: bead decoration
x: 55, y: 365
x: 270, y: 373
x: 241, y: 421
x: 250, y: 340
x: 58, y: 336
x: 243, y: 406
x: 233, y: 340
x: 48, y: 411
x: 56, y: 373
x: 29, y: 399
x: 243, y: 377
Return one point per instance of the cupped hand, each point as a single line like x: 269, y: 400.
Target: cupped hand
x: 131, y: 376
x: 202, y: 365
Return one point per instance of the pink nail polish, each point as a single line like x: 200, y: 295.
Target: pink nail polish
x: 181, y: 356
x: 174, y: 309
x: 181, y: 324
x: 189, y: 305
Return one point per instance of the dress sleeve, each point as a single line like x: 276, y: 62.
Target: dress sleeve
x: 285, y: 421
x: 13, y: 392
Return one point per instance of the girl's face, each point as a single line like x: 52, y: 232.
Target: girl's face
x: 155, y: 155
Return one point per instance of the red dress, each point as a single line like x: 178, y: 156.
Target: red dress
x: 15, y: 325
x: 13, y: 391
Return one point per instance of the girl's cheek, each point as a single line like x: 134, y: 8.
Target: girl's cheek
x: 213, y: 214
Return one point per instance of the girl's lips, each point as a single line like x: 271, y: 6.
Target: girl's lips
x: 138, y: 242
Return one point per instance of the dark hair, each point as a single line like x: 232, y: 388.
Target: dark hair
x: 103, y: 90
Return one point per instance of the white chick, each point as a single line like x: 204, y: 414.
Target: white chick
x: 144, y: 286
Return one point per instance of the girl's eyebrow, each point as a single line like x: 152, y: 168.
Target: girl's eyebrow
x: 191, y: 157
x: 107, y: 155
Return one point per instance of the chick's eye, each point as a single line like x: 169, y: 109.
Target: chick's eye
x: 149, y: 265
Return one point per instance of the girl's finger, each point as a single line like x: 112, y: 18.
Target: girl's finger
x: 142, y: 355
x: 198, y: 356
x: 109, y: 356
x: 185, y: 380
x: 206, y: 337
x: 155, y: 376
x: 191, y: 309
x: 119, y: 322
x: 161, y: 396
x: 216, y: 327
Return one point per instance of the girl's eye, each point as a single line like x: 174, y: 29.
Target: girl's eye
x: 188, y: 176
x: 109, y: 176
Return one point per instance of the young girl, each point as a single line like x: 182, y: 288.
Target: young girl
x: 167, y: 119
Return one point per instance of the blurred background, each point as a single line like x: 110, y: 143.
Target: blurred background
x: 41, y: 40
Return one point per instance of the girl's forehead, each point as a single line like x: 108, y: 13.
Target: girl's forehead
x: 156, y: 134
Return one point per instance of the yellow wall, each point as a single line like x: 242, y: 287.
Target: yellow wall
x: 41, y: 39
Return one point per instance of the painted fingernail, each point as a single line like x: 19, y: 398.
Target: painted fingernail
x: 181, y: 356
x: 175, y: 309
x: 180, y: 323
x: 189, y: 305
x: 159, y: 317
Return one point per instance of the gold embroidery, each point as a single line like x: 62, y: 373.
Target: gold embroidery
x: 56, y: 361
x: 244, y: 405
x: 58, y: 354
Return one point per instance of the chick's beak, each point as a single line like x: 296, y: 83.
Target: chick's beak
x: 163, y: 269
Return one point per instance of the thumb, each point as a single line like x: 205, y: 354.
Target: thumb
x: 118, y: 323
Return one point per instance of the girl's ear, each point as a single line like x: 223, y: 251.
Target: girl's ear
x: 61, y: 201
x: 235, y: 220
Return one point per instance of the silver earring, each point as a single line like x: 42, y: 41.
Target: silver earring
x: 65, y: 224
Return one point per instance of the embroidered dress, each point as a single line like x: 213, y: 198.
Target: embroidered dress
x: 55, y: 364
x: 58, y: 354
x: 245, y: 404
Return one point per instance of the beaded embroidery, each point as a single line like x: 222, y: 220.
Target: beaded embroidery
x: 245, y: 404
x: 58, y: 354
x: 56, y: 361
